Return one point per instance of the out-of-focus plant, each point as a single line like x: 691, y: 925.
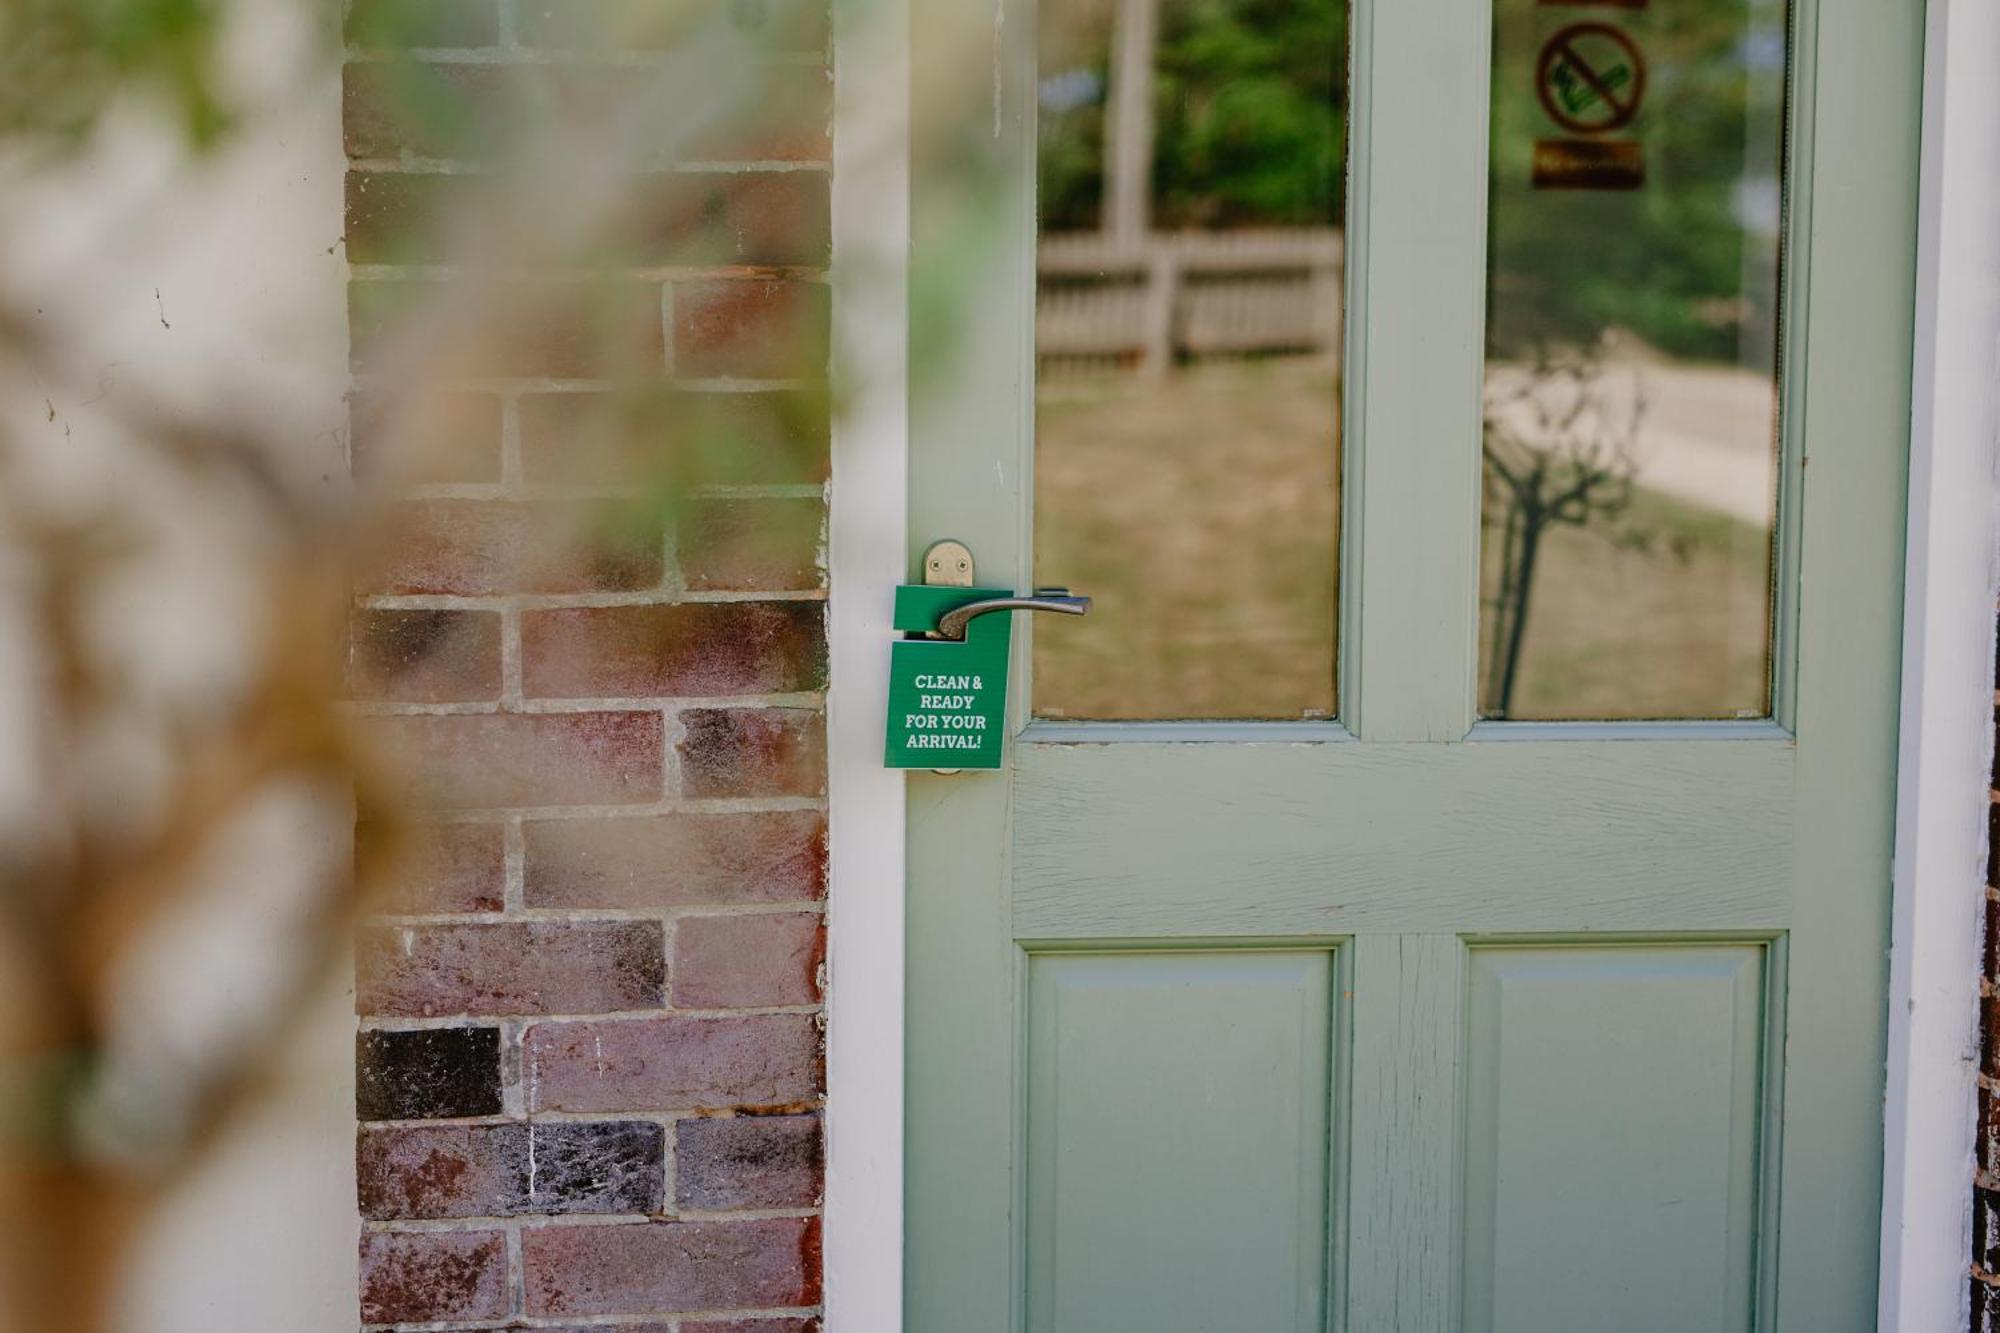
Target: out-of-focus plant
x: 142, y: 781
x: 63, y: 63
x: 1559, y: 449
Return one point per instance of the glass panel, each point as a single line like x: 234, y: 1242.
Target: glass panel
x: 1188, y: 352
x: 1632, y: 345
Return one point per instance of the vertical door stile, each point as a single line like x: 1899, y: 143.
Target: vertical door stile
x: 1403, y: 1178
x: 1416, y: 354
x: 971, y: 423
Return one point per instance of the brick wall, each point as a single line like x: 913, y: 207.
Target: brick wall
x: 1986, y: 1189
x: 590, y: 1051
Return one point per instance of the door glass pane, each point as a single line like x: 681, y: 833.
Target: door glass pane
x: 1187, y: 335
x: 1632, y: 347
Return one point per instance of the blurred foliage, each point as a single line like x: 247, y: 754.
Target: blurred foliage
x: 63, y: 63
x: 1250, y: 104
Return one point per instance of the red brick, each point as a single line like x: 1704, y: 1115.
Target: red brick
x: 748, y: 1161
x: 437, y: 868
x: 786, y: 25
x: 673, y: 1063
x: 389, y: 107
x: 752, y: 545
x: 396, y: 217
x: 678, y: 859
x: 424, y: 656
x: 417, y: 437
x: 491, y: 761
x: 426, y: 1276
x: 740, y: 962
x: 713, y: 648
x: 662, y: 1267
x: 753, y: 752
x: 751, y: 328
x: 671, y: 441
x: 758, y: 219
x: 455, y: 1171
x: 560, y: 328
x: 539, y: 967
x: 781, y: 115
x: 484, y: 547
x: 754, y: 1326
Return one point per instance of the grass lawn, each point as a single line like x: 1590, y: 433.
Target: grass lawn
x: 1201, y: 512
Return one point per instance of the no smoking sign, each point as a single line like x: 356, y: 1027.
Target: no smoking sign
x: 1590, y: 79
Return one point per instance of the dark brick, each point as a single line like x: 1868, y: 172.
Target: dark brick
x: 1986, y: 1229
x: 753, y: 545
x: 429, y: 1276
x: 752, y: 1062
x: 1987, y: 1148
x: 1985, y: 1305
x: 424, y: 656
x: 678, y: 859
x: 451, y: 1171
x: 671, y: 1266
x: 500, y: 760
x: 435, y: 867
x: 751, y: 328
x: 432, y: 1074
x: 748, y: 1162
x: 1993, y: 844
x: 662, y: 651
x: 399, y: 24
x: 671, y: 441
x: 1989, y: 1032
x: 534, y: 967
x: 753, y: 752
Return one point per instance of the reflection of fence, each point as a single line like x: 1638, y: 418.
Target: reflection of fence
x: 1149, y: 301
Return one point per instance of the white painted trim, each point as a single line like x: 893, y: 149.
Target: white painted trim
x: 867, y: 558
x: 1947, y: 726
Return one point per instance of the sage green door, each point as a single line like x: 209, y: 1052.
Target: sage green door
x: 1444, y: 883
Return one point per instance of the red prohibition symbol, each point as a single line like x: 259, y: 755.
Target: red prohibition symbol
x: 1591, y: 78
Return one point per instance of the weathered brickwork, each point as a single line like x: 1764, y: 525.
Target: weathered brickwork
x: 591, y: 1056
x: 1986, y: 1190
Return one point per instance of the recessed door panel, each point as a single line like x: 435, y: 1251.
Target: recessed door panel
x: 1178, y: 1113
x: 1611, y: 1138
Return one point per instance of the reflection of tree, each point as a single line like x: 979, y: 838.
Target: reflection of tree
x: 1558, y: 449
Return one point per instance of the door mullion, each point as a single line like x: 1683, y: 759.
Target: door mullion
x: 1417, y: 224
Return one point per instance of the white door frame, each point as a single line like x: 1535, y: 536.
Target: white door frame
x: 1947, y: 677
x: 1947, y: 722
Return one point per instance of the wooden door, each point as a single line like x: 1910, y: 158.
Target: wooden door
x: 1415, y: 1017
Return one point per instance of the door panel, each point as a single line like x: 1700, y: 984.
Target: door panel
x: 1178, y: 1113
x: 1612, y: 1116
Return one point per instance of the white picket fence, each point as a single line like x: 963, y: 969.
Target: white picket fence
x: 1105, y: 302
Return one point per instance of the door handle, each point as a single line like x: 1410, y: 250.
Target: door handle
x: 1056, y: 601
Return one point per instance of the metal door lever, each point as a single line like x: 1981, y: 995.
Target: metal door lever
x: 1057, y: 601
